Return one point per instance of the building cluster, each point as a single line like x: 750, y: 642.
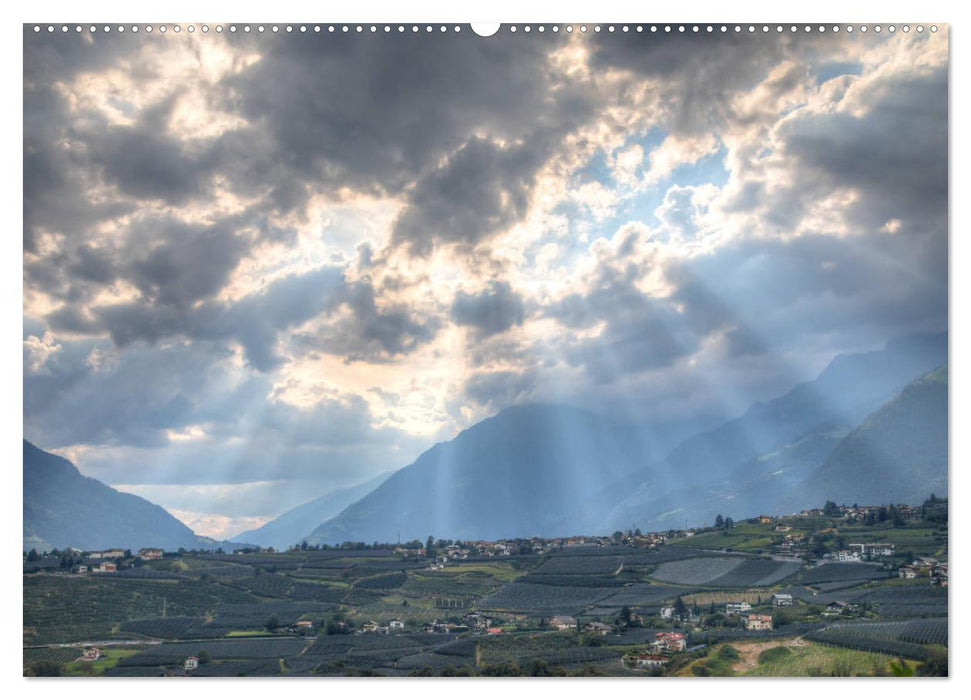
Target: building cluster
x: 737, y: 608
x: 665, y: 644
x: 925, y: 567
x: 372, y: 627
x: 105, y: 561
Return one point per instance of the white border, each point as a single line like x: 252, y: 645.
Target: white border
x: 617, y: 11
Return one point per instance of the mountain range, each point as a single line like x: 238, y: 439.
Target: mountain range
x: 63, y: 508
x: 872, y: 427
x: 297, y: 523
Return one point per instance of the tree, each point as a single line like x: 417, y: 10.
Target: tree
x: 32, y: 555
x: 729, y: 523
x: 831, y: 510
x: 719, y: 521
x: 936, y: 665
x: 618, y: 536
x: 680, y: 609
x: 204, y: 656
x: 272, y: 623
x: 430, y: 547
x: 626, y: 616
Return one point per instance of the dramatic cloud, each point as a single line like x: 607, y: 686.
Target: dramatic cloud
x: 258, y: 267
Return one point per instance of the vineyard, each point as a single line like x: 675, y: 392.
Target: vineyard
x: 582, y: 565
x: 525, y: 597
x: 840, y: 572
x: 644, y: 594
x: 165, y: 627
x: 757, y: 572
x: 697, y: 572
x: 900, y: 638
x: 175, y: 653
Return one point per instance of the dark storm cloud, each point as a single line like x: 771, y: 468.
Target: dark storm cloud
x: 708, y: 69
x: 894, y: 154
x: 380, y: 117
x: 256, y: 321
x: 190, y: 264
x: 144, y: 162
x: 72, y: 402
x: 480, y: 191
x: 494, y: 310
x: 367, y: 333
x: 640, y: 333
x: 374, y: 115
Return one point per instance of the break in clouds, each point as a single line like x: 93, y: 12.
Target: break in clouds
x: 258, y: 268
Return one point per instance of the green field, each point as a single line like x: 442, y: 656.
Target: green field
x: 109, y: 659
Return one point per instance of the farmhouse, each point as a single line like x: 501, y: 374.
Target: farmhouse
x: 396, y: 625
x: 846, y: 555
x: 302, y: 625
x: 149, y: 553
x: 838, y: 607
x: 737, y: 608
x: 670, y: 641
x: 80, y: 569
x: 648, y: 660
x: 765, y: 519
x: 758, y: 622
x: 873, y: 549
x: 477, y: 621
x: 782, y: 600
x: 667, y: 612
x: 107, y: 554
x: 563, y: 622
x: 598, y: 628
x: 907, y: 572
x: 106, y: 567
x: 91, y: 654
x: 191, y: 663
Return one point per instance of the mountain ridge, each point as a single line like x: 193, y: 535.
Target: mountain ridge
x: 63, y: 508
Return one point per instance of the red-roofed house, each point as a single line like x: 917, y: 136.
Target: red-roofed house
x: 670, y: 641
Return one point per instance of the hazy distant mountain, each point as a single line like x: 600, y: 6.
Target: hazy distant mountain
x: 63, y: 508
x: 847, y: 390
x: 550, y: 470
x: 898, y: 454
x: 514, y: 474
x: 296, y: 524
x: 752, y: 488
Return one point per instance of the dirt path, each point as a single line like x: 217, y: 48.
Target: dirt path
x: 749, y: 651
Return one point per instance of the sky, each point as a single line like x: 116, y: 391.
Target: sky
x: 261, y: 267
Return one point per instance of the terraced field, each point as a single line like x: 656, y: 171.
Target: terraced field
x: 907, y: 638
x: 697, y: 572
x: 525, y: 597
x: 842, y: 571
